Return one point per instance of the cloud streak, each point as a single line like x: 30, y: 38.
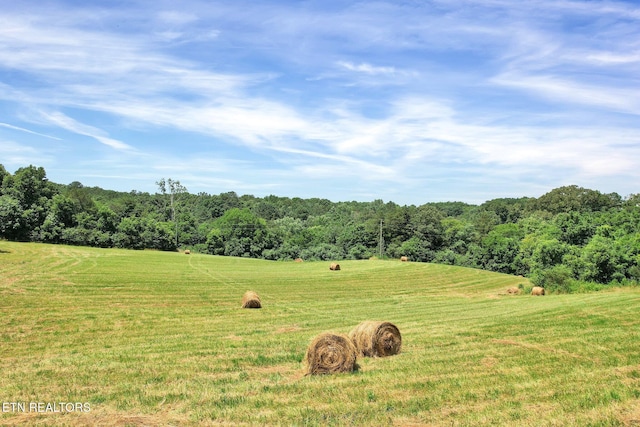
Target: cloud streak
x: 366, y: 68
x: 67, y: 123
x: 8, y: 126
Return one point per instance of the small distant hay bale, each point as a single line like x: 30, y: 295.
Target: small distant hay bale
x: 330, y: 353
x: 251, y: 299
x: 513, y: 290
x: 298, y: 259
x: 537, y: 291
x: 404, y: 259
x: 187, y: 252
x: 376, y: 339
x: 334, y: 266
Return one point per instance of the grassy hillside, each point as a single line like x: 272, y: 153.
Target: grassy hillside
x: 156, y: 338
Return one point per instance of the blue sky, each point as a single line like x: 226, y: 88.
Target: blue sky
x: 399, y: 100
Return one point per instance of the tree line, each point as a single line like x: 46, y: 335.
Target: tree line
x: 569, y: 239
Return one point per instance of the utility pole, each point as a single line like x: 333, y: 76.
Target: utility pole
x: 381, y: 241
x: 173, y: 210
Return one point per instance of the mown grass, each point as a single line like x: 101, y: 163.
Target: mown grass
x: 154, y: 338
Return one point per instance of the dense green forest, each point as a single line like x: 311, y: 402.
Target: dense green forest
x: 569, y: 239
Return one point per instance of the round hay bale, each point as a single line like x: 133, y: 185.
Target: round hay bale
x: 537, y: 291
x: 404, y: 259
x: 513, y: 290
x: 298, y: 259
x: 251, y: 299
x: 334, y: 266
x: 187, y: 252
x: 330, y: 353
x: 376, y: 339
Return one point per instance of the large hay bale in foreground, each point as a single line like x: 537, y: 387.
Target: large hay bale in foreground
x: 376, y: 339
x: 330, y: 353
x: 537, y: 291
x: 334, y: 266
x: 251, y: 299
x: 404, y: 259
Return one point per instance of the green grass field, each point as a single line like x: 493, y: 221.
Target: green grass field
x: 155, y: 338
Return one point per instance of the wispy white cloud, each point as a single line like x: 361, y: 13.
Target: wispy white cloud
x: 608, y: 58
x: 176, y: 17
x: 573, y: 92
x: 8, y: 126
x: 67, y: 123
x: 366, y: 68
